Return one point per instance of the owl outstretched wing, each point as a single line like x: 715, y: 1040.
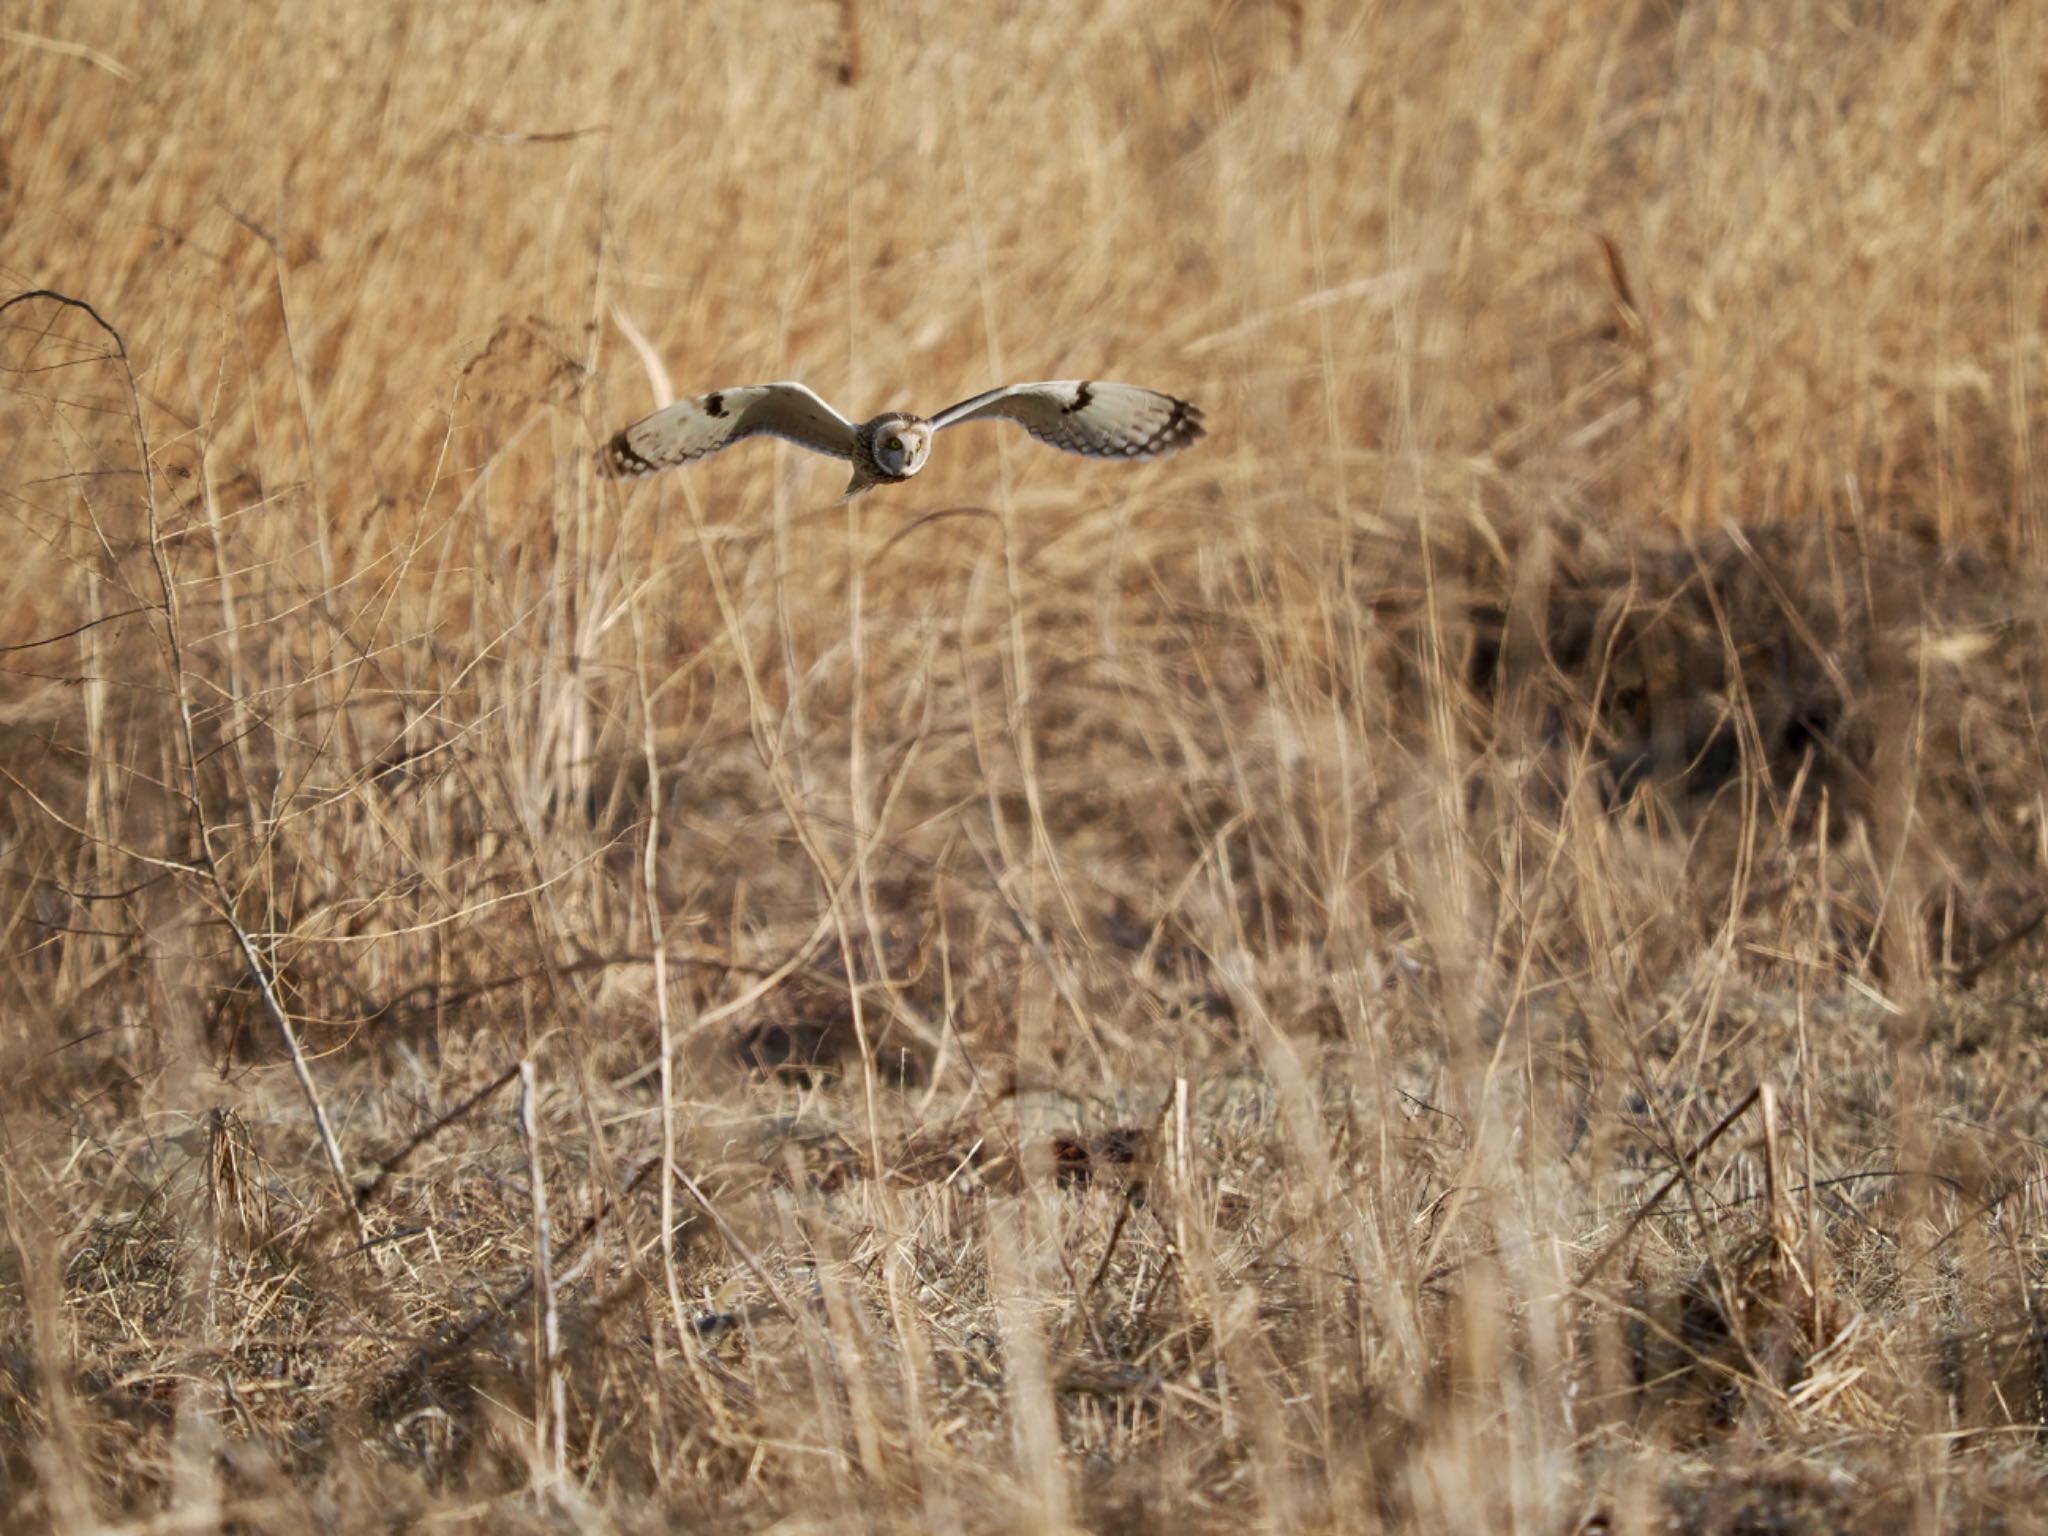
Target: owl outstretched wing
x: 691, y: 428
x: 1104, y: 421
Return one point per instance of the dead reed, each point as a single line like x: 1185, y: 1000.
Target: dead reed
x: 1466, y: 957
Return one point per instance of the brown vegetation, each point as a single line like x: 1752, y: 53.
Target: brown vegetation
x: 1464, y: 956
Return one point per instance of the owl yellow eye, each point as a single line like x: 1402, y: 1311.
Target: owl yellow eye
x: 895, y: 445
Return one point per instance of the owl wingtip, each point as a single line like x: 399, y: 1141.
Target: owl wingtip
x: 621, y: 461
x: 1183, y: 427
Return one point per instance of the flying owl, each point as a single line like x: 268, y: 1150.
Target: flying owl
x: 1104, y: 421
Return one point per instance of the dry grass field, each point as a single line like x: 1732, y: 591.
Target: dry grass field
x: 1467, y: 955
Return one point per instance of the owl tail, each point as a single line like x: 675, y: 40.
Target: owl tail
x: 861, y: 481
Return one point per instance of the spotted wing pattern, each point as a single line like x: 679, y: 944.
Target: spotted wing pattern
x: 1104, y: 421
x: 689, y: 429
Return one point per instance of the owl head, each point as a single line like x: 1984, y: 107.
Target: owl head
x: 902, y: 444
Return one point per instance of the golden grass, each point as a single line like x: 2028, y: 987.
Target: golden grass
x: 1460, y: 957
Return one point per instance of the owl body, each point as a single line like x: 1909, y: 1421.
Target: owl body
x: 1084, y: 416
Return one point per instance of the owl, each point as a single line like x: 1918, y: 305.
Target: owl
x: 1104, y: 421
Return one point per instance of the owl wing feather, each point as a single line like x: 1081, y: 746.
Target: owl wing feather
x: 1104, y: 421
x: 703, y: 424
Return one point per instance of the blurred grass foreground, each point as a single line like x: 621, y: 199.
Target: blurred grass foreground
x: 1465, y: 956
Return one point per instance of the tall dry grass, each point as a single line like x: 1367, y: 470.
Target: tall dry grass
x: 1460, y: 957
